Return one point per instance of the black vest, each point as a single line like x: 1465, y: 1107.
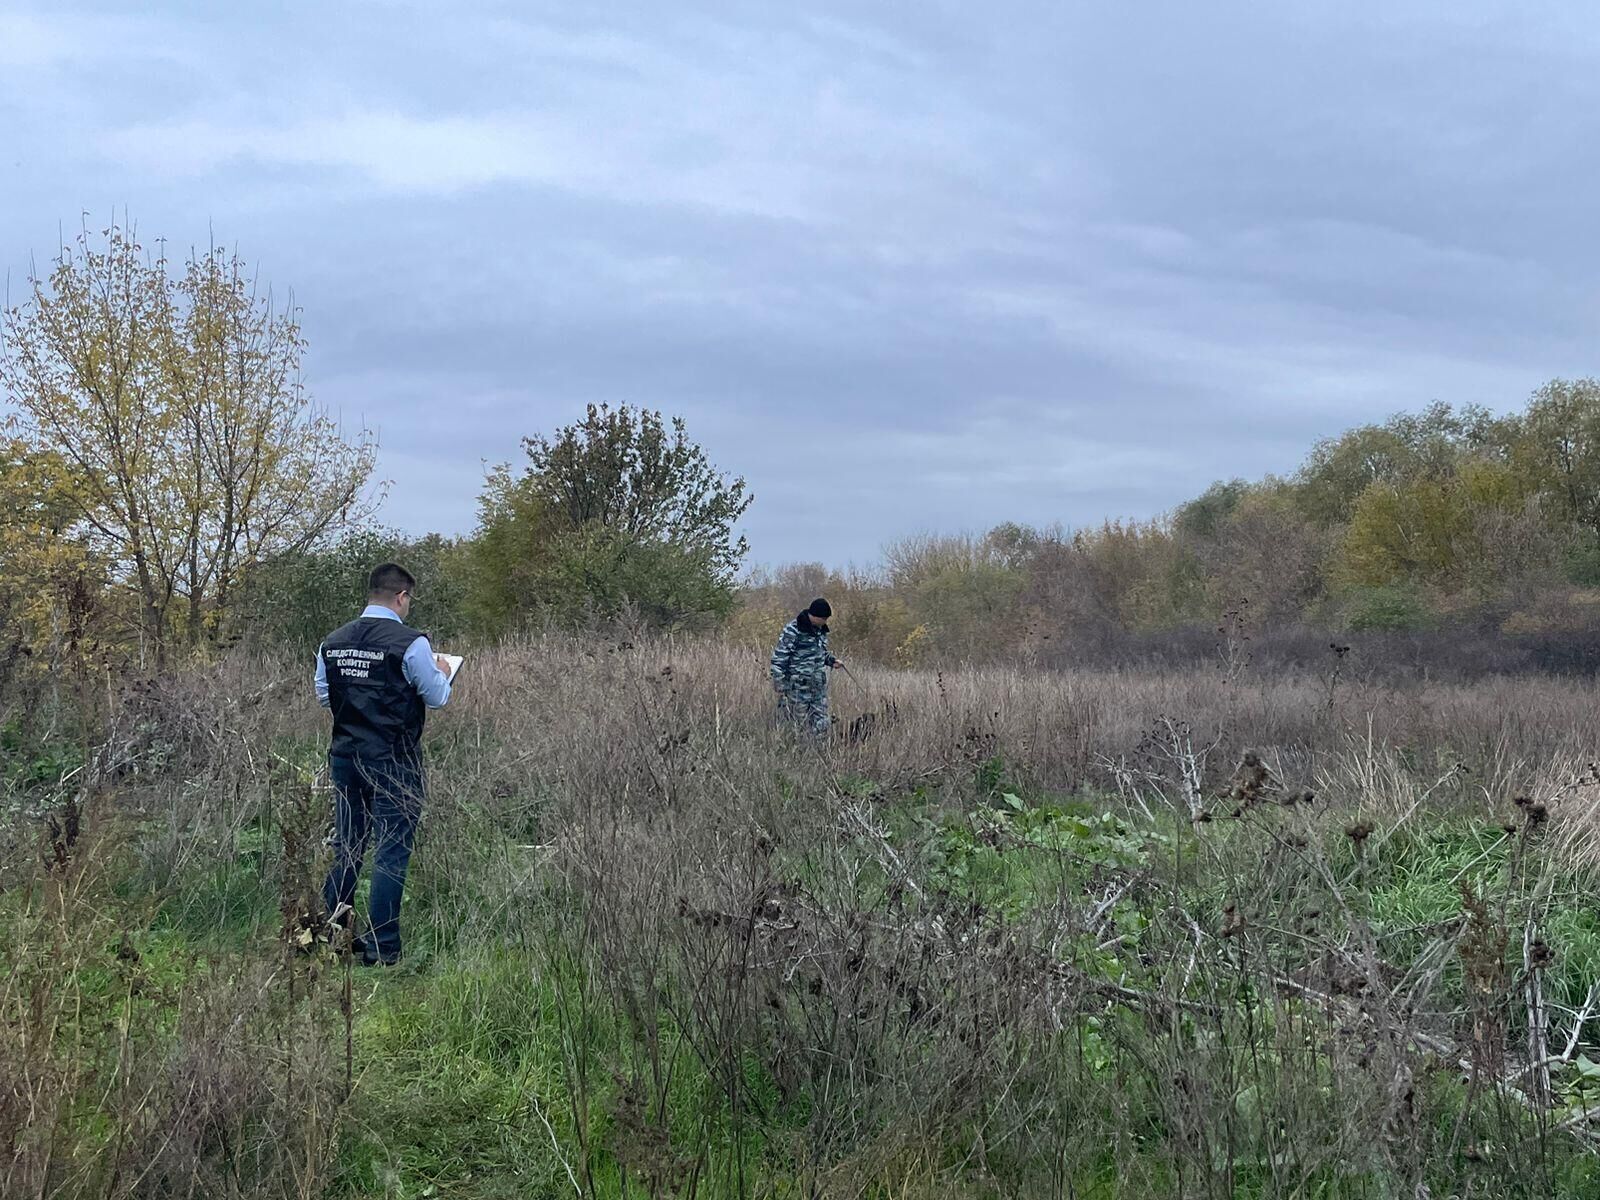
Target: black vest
x: 377, y: 714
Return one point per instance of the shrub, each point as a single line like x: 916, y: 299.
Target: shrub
x: 1396, y: 609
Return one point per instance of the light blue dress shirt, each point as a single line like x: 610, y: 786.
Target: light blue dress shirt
x: 432, y: 684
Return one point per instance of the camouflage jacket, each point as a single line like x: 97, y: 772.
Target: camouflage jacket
x: 801, y: 655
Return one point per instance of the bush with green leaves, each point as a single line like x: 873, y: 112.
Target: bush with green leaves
x: 619, y: 513
x: 1385, y: 610
x: 297, y: 599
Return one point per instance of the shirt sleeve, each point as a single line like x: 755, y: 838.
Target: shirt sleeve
x: 782, y: 655
x: 432, y: 684
x: 319, y: 680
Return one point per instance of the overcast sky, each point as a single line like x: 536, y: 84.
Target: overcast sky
x: 904, y: 266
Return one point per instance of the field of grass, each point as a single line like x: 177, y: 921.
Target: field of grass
x: 1093, y: 934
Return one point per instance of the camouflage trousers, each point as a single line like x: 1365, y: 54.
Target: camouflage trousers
x: 804, y: 706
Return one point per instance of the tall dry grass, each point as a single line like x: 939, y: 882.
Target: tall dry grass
x: 760, y: 896
x: 558, y: 700
x: 914, y: 959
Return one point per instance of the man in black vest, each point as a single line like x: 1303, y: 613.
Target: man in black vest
x: 379, y: 677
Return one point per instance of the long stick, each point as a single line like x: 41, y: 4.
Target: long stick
x: 861, y: 686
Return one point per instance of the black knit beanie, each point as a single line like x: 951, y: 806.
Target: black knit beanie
x: 820, y: 609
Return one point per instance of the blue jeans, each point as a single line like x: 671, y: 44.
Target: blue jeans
x: 378, y: 802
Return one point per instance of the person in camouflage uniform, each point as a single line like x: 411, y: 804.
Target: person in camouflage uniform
x: 800, y: 666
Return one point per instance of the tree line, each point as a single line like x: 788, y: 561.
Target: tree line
x: 1450, y: 522
x: 167, y: 483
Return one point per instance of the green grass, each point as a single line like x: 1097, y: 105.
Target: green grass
x: 486, y: 1066
x: 468, y: 1072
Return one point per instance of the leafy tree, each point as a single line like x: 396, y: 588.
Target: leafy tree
x: 1393, y: 609
x: 874, y: 623
x: 46, y: 569
x: 298, y: 597
x: 1405, y: 448
x: 617, y: 512
x: 1581, y: 564
x: 1013, y: 545
x: 189, y: 450
x: 602, y: 573
x: 1555, y: 448
x: 969, y: 609
x: 1424, y: 529
x: 1143, y: 575
x: 963, y: 592
x: 1399, y: 532
x: 1203, y: 517
x: 634, y: 473
x: 509, y: 552
x: 1262, y: 548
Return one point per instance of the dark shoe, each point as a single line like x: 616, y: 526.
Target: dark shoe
x: 379, y: 961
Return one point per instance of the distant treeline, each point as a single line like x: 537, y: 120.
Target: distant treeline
x: 168, y: 487
x: 1450, y: 537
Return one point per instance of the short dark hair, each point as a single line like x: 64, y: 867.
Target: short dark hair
x: 390, y: 579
